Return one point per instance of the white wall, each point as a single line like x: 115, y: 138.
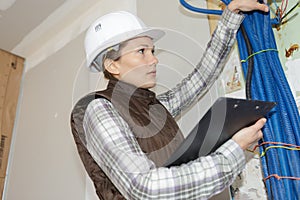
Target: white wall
x: 180, y: 50
x: 44, y: 165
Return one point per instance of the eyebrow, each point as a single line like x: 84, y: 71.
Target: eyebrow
x: 146, y: 45
x: 138, y: 47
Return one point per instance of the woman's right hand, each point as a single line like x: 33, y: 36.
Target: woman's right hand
x: 247, y: 5
x: 249, y: 135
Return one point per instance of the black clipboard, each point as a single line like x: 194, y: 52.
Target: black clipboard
x: 224, y: 118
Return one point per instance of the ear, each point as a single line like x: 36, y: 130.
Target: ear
x: 111, y: 66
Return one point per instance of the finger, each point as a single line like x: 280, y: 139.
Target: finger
x: 260, y: 123
x: 263, y: 7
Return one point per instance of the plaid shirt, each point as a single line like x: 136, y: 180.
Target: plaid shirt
x: 114, y: 147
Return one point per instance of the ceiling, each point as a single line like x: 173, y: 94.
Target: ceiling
x: 22, y: 17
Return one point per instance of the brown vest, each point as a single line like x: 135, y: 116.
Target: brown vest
x: 154, y: 128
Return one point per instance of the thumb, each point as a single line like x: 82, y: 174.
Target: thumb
x: 260, y: 123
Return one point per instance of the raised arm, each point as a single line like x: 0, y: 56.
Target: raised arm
x: 213, y: 59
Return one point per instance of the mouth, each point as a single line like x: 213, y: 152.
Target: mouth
x: 153, y: 72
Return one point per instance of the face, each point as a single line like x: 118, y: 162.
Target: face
x: 137, y: 64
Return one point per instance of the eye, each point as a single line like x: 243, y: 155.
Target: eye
x: 153, y: 51
x: 142, y: 51
x: 146, y: 50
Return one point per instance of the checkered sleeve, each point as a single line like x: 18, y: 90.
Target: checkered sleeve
x: 209, y: 67
x: 115, y: 149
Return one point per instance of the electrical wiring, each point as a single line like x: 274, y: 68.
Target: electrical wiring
x: 266, y: 80
x: 250, y: 63
x: 281, y: 147
x: 281, y: 177
x: 268, y: 84
x: 291, y: 10
x: 274, y: 143
x: 200, y: 10
x: 261, y: 51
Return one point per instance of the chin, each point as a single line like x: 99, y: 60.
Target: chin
x: 149, y: 85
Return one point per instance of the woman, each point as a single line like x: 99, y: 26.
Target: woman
x: 128, y: 133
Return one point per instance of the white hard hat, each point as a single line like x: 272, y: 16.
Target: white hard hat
x: 111, y: 30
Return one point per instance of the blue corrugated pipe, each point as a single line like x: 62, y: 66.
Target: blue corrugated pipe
x: 200, y: 10
x: 269, y: 83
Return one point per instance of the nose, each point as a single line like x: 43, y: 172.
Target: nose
x: 153, y: 60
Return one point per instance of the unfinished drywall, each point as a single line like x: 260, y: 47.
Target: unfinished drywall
x: 11, y: 73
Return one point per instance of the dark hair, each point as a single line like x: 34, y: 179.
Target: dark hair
x: 114, y: 55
